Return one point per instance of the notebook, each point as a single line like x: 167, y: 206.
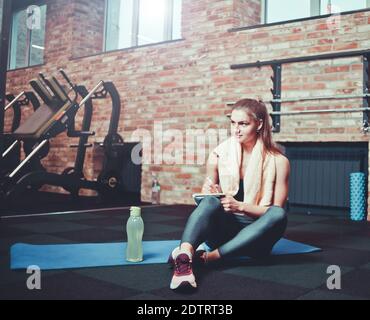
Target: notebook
x: 198, y: 197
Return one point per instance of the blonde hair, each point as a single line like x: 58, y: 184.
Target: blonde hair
x: 258, y: 111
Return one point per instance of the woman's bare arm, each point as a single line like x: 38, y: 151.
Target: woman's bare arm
x: 211, y: 181
x: 282, y: 181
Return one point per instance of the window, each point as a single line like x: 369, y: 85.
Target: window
x: 1, y: 14
x: 27, y: 41
x: 283, y: 10
x: 130, y: 23
x: 334, y: 6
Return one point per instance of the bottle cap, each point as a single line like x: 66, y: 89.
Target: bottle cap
x: 135, y: 211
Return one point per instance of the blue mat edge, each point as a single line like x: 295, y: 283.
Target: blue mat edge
x: 14, y: 265
x: 22, y: 265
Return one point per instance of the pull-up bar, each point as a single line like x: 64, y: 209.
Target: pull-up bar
x: 276, y: 102
x: 327, y: 56
x: 344, y: 96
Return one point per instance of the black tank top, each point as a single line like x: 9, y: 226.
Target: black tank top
x: 245, y: 220
x: 240, y: 195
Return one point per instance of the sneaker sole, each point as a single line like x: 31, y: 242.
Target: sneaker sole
x: 184, y: 286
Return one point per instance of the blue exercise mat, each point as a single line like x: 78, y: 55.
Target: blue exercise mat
x: 66, y: 256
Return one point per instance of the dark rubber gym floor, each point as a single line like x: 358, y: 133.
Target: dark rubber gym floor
x: 344, y: 243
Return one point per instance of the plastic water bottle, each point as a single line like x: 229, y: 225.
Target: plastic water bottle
x: 135, y: 231
x: 156, y: 190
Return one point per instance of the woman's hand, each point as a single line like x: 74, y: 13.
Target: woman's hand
x: 210, y: 187
x: 230, y: 204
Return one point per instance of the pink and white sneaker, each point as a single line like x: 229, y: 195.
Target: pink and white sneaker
x: 183, y: 276
x: 197, y: 260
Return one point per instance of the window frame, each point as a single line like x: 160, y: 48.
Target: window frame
x: 16, y: 10
x: 167, y: 30
x: 315, y: 12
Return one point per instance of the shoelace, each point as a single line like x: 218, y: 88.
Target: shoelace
x: 183, y: 266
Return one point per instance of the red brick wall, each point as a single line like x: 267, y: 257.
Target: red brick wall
x: 247, y: 12
x: 58, y: 41
x: 186, y: 84
x: 88, y: 27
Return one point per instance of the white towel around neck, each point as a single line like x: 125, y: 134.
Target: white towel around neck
x: 259, y: 177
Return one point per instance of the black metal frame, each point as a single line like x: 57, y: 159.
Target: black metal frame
x: 366, y: 90
x: 30, y: 98
x: 108, y: 89
x: 86, y: 123
x: 276, y: 94
x: 4, y: 47
x: 277, y: 64
x: 72, y: 179
x: 15, y: 157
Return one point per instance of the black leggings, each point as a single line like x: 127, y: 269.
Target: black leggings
x: 234, y: 235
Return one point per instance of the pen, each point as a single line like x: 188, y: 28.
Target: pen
x: 209, y: 180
